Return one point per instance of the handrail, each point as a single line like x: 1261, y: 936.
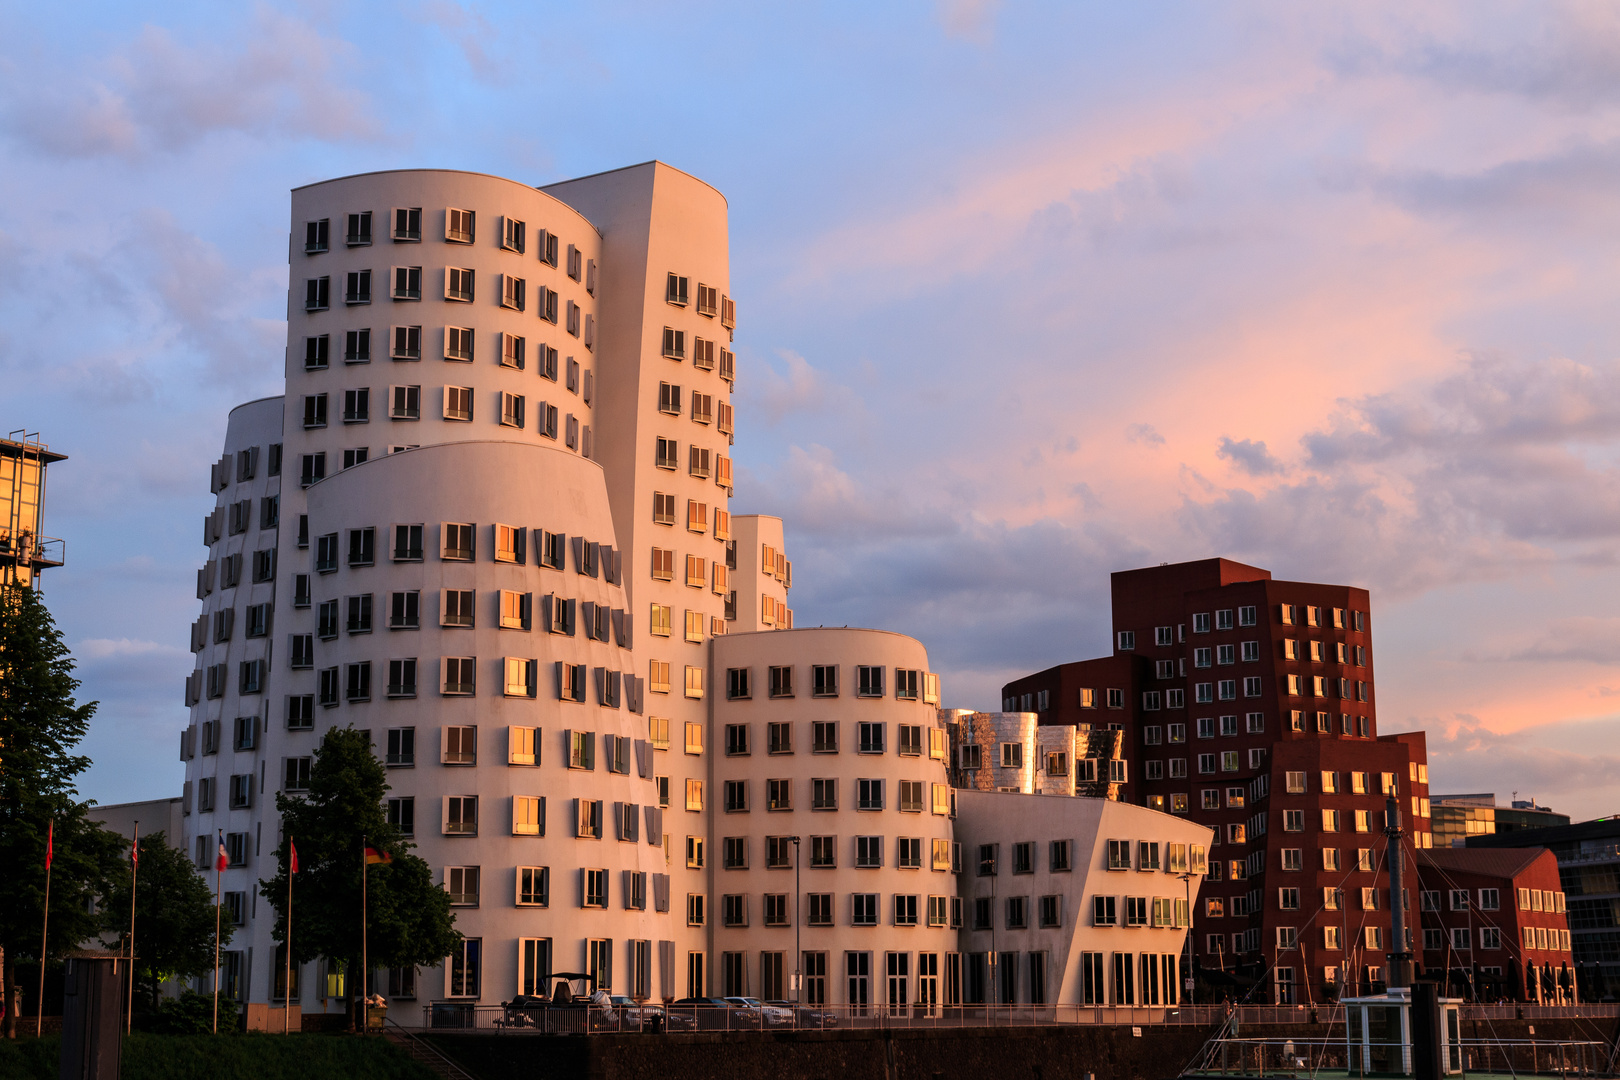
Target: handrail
x: 1285, y: 1056
x: 456, y: 1072
x: 540, y: 1019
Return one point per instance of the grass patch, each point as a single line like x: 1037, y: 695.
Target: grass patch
x: 28, y: 1058
x: 228, y: 1057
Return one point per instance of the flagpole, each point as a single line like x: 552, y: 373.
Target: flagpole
x: 45, y: 931
x: 365, y: 991
x: 219, y: 874
x: 286, y: 993
x: 134, y: 871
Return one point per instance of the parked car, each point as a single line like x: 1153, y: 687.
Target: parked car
x: 769, y: 1016
x: 810, y: 1017
x: 634, y: 1015
x: 716, y: 1014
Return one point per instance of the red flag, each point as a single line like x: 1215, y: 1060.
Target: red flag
x: 134, y: 853
x: 293, y: 864
x: 224, y: 859
x: 50, y: 843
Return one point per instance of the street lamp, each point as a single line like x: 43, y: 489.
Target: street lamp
x: 798, y: 923
x: 1192, y: 940
x: 987, y: 868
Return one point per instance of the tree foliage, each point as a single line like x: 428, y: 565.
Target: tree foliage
x: 408, y: 917
x: 40, y: 727
x: 174, y: 916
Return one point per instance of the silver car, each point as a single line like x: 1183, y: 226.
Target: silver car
x: 770, y: 1015
x: 634, y: 1015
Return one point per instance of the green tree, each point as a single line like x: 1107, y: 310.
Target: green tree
x: 408, y: 917
x: 174, y: 916
x: 40, y: 725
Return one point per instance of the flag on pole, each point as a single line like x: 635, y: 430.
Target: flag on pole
x: 223, y: 859
x: 50, y: 843
x: 292, y: 848
x: 135, y: 852
x: 375, y: 856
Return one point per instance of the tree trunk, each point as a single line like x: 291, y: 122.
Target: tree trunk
x: 8, y: 980
x: 348, y: 990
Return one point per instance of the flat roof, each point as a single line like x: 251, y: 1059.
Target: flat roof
x: 11, y: 448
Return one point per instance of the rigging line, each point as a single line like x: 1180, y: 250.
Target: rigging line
x: 1515, y: 955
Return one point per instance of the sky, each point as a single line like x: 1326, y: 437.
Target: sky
x: 1027, y: 294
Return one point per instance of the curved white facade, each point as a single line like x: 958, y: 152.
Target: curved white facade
x: 824, y: 735
x: 498, y: 767
x: 497, y: 329
x: 225, y: 744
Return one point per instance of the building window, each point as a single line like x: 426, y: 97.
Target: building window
x: 870, y: 681
x: 458, y: 403
x: 596, y: 889
x: 405, y: 343
x: 864, y: 909
x: 779, y: 738
x: 911, y: 796
x: 819, y: 909
x: 461, y: 815
x: 357, y: 287
x: 871, y: 737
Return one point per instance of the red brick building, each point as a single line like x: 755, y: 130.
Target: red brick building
x: 1492, y: 921
x: 1249, y: 706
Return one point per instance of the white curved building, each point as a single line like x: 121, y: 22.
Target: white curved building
x: 481, y: 637
x: 492, y: 330
x: 489, y: 524
x: 832, y: 836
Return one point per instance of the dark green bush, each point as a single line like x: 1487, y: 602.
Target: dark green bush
x: 238, y: 1057
x: 190, y: 1014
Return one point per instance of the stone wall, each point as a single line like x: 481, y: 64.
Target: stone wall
x: 1054, y: 1053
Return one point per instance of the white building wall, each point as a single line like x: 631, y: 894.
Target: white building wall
x: 656, y: 221
x: 762, y: 591
x: 857, y: 949
x: 992, y: 824
x: 659, y: 219
x: 247, y: 473
x: 539, y: 488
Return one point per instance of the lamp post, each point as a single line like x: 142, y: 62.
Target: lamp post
x: 798, y: 922
x: 987, y: 868
x: 1192, y: 955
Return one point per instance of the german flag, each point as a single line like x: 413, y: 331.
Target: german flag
x: 375, y: 856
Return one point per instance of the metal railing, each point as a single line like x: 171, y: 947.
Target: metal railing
x: 422, y: 1051
x: 1510, y: 1011
x: 652, y: 1017
x: 1606, y: 853
x: 1309, y: 1057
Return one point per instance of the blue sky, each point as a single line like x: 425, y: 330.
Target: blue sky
x: 1027, y: 294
